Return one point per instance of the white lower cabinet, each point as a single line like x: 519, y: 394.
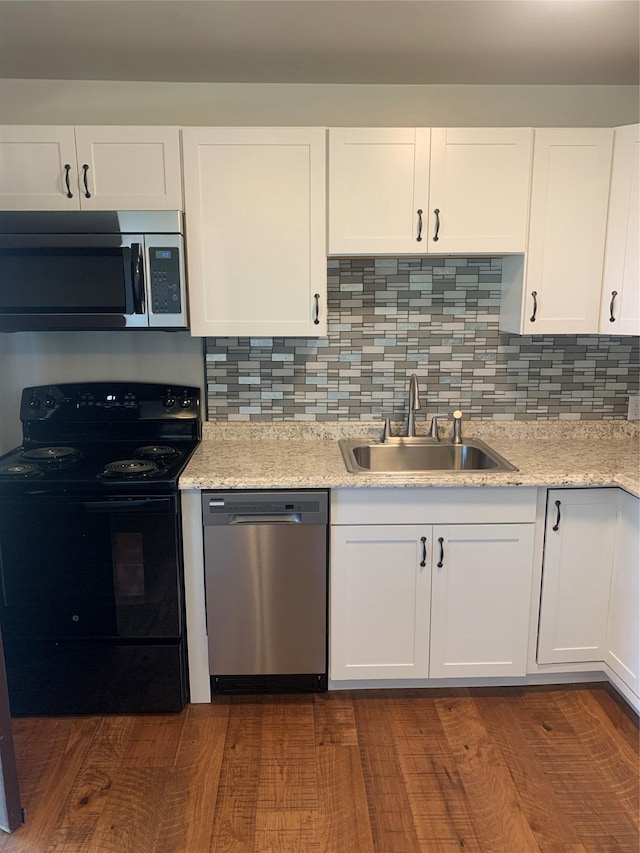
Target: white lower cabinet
x: 480, y: 595
x: 380, y: 589
x: 434, y: 600
x: 578, y: 559
x: 622, y: 650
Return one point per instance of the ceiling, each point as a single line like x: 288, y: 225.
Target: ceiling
x: 544, y: 42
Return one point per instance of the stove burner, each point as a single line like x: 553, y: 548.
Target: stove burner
x: 132, y: 469
x: 51, y: 454
x: 19, y: 471
x: 156, y: 451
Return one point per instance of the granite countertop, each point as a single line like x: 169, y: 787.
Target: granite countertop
x: 307, y: 455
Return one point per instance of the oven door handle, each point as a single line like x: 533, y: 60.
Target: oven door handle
x: 155, y: 504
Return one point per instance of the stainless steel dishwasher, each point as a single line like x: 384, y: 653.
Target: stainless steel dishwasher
x: 266, y: 590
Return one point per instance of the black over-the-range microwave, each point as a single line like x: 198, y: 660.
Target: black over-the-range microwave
x: 92, y: 270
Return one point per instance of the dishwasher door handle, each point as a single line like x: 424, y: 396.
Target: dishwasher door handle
x: 289, y: 518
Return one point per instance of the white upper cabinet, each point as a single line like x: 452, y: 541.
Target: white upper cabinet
x: 479, y: 190
x: 441, y: 191
x: 90, y: 168
x: 620, y: 310
x: 35, y: 163
x: 557, y: 288
x: 378, y: 190
x: 256, y: 230
x: 129, y: 168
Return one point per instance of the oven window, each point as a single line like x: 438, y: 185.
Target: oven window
x: 63, y: 280
x: 68, y: 570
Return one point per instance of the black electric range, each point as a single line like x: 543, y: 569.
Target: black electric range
x: 92, y: 603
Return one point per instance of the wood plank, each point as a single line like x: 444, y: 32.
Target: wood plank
x: 343, y: 816
x: 437, y: 797
x: 236, y: 803
x: 494, y: 804
x: 189, y: 821
x: 392, y: 823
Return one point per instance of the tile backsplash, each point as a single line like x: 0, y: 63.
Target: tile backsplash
x: 438, y: 318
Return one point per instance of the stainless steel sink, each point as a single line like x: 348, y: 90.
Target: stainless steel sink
x: 420, y: 455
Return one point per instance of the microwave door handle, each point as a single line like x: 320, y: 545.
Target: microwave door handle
x: 137, y: 278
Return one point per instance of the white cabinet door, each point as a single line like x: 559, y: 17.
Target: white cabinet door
x: 480, y: 595
x: 379, y: 601
x: 623, y: 627
x: 620, y: 310
x: 569, y: 198
x: 129, y: 168
x: 90, y: 168
x: 255, y: 219
x: 479, y: 186
x: 578, y: 559
x: 378, y: 190
x: 35, y: 165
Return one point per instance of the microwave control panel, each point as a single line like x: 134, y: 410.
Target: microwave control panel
x: 164, y: 279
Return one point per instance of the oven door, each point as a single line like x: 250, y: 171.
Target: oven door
x: 79, y: 569
x: 71, y: 281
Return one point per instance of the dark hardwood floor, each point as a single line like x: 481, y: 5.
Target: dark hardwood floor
x: 510, y: 771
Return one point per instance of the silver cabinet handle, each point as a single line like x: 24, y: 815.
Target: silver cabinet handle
x: 612, y: 318
x: 419, y: 237
x: 437, y: 228
x: 532, y: 318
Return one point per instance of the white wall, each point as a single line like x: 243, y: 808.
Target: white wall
x: 37, y: 358
x: 108, y: 102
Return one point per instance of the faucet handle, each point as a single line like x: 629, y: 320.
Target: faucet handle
x: 433, y: 430
x: 457, y: 427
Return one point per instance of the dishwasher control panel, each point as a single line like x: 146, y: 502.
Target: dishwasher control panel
x: 219, y: 508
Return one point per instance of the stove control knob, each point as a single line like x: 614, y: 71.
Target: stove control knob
x: 185, y: 403
x: 169, y: 402
x: 50, y: 403
x: 34, y: 404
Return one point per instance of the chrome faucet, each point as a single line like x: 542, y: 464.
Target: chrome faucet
x: 414, y: 404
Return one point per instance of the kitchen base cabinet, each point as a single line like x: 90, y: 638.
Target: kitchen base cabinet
x: 622, y: 650
x: 419, y: 600
x: 480, y: 594
x: 380, y: 588
x: 578, y: 559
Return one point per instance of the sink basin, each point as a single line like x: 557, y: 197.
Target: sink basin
x: 420, y: 455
